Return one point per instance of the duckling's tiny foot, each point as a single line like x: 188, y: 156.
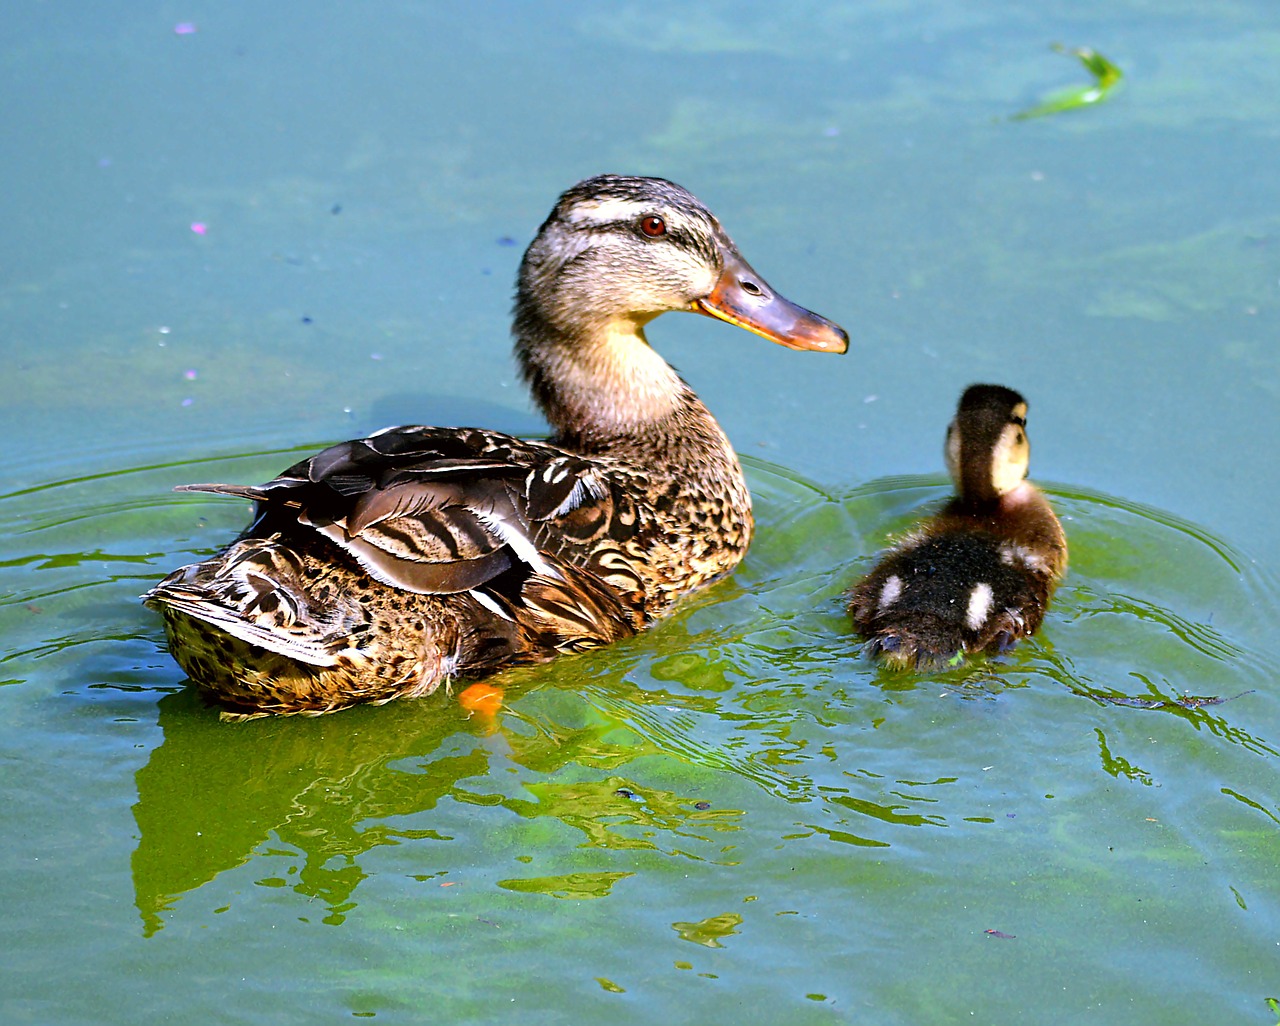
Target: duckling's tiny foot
x: 1004, y: 641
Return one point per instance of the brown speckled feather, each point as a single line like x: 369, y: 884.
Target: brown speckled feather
x: 353, y: 553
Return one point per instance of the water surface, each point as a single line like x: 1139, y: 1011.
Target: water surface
x: 734, y: 813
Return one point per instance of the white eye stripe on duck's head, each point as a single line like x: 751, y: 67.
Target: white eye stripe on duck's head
x: 609, y: 213
x: 626, y: 203
x: 647, y: 224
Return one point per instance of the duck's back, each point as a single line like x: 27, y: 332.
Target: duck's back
x: 381, y: 566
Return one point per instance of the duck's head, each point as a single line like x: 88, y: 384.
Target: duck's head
x: 622, y: 248
x: 987, y: 449
x: 618, y: 251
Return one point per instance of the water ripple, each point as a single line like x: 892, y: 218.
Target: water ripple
x: 749, y: 716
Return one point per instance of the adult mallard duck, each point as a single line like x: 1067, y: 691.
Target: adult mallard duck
x: 383, y: 567
x: 978, y: 576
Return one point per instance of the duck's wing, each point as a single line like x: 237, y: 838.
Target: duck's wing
x: 444, y: 510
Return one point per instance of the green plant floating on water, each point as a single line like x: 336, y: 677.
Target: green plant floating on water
x: 1106, y: 77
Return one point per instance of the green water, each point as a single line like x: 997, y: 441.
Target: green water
x: 733, y: 817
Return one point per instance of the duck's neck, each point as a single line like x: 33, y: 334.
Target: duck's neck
x: 600, y: 381
x: 607, y: 394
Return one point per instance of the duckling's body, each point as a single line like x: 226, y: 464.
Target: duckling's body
x: 979, y: 575
x: 382, y: 567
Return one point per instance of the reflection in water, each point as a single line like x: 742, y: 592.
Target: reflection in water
x: 599, y: 807
x: 575, y: 886
x: 1256, y: 806
x: 1201, y: 636
x: 645, y: 749
x: 209, y: 798
x: 711, y: 931
x: 1118, y: 765
x: 214, y: 796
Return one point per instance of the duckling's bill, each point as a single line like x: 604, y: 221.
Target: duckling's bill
x: 743, y: 298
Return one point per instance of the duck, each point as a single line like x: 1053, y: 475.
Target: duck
x: 387, y: 566
x: 977, y: 576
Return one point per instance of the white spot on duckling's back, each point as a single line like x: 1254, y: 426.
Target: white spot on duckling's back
x: 890, y: 593
x: 980, y: 600
x: 1012, y: 554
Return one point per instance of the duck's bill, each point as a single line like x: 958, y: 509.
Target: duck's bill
x: 743, y: 298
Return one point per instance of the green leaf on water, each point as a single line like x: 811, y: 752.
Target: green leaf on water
x: 1106, y: 77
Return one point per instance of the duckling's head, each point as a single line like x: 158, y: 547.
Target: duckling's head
x: 987, y: 447
x: 618, y: 251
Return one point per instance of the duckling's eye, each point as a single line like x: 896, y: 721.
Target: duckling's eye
x: 653, y: 226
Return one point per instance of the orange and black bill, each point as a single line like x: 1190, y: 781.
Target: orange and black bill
x: 743, y: 298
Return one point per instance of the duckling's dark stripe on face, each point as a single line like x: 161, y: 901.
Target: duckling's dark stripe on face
x: 984, y: 414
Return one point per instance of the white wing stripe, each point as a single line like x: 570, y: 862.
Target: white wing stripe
x: 519, y: 542
x: 488, y: 602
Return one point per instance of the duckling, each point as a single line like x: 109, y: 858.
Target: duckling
x: 386, y: 566
x: 977, y: 576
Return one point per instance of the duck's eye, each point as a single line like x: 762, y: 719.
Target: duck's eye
x: 653, y: 226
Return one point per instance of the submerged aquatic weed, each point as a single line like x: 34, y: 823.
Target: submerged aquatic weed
x: 1106, y: 77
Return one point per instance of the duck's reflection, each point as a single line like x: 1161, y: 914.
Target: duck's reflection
x: 326, y: 791
x: 212, y: 794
